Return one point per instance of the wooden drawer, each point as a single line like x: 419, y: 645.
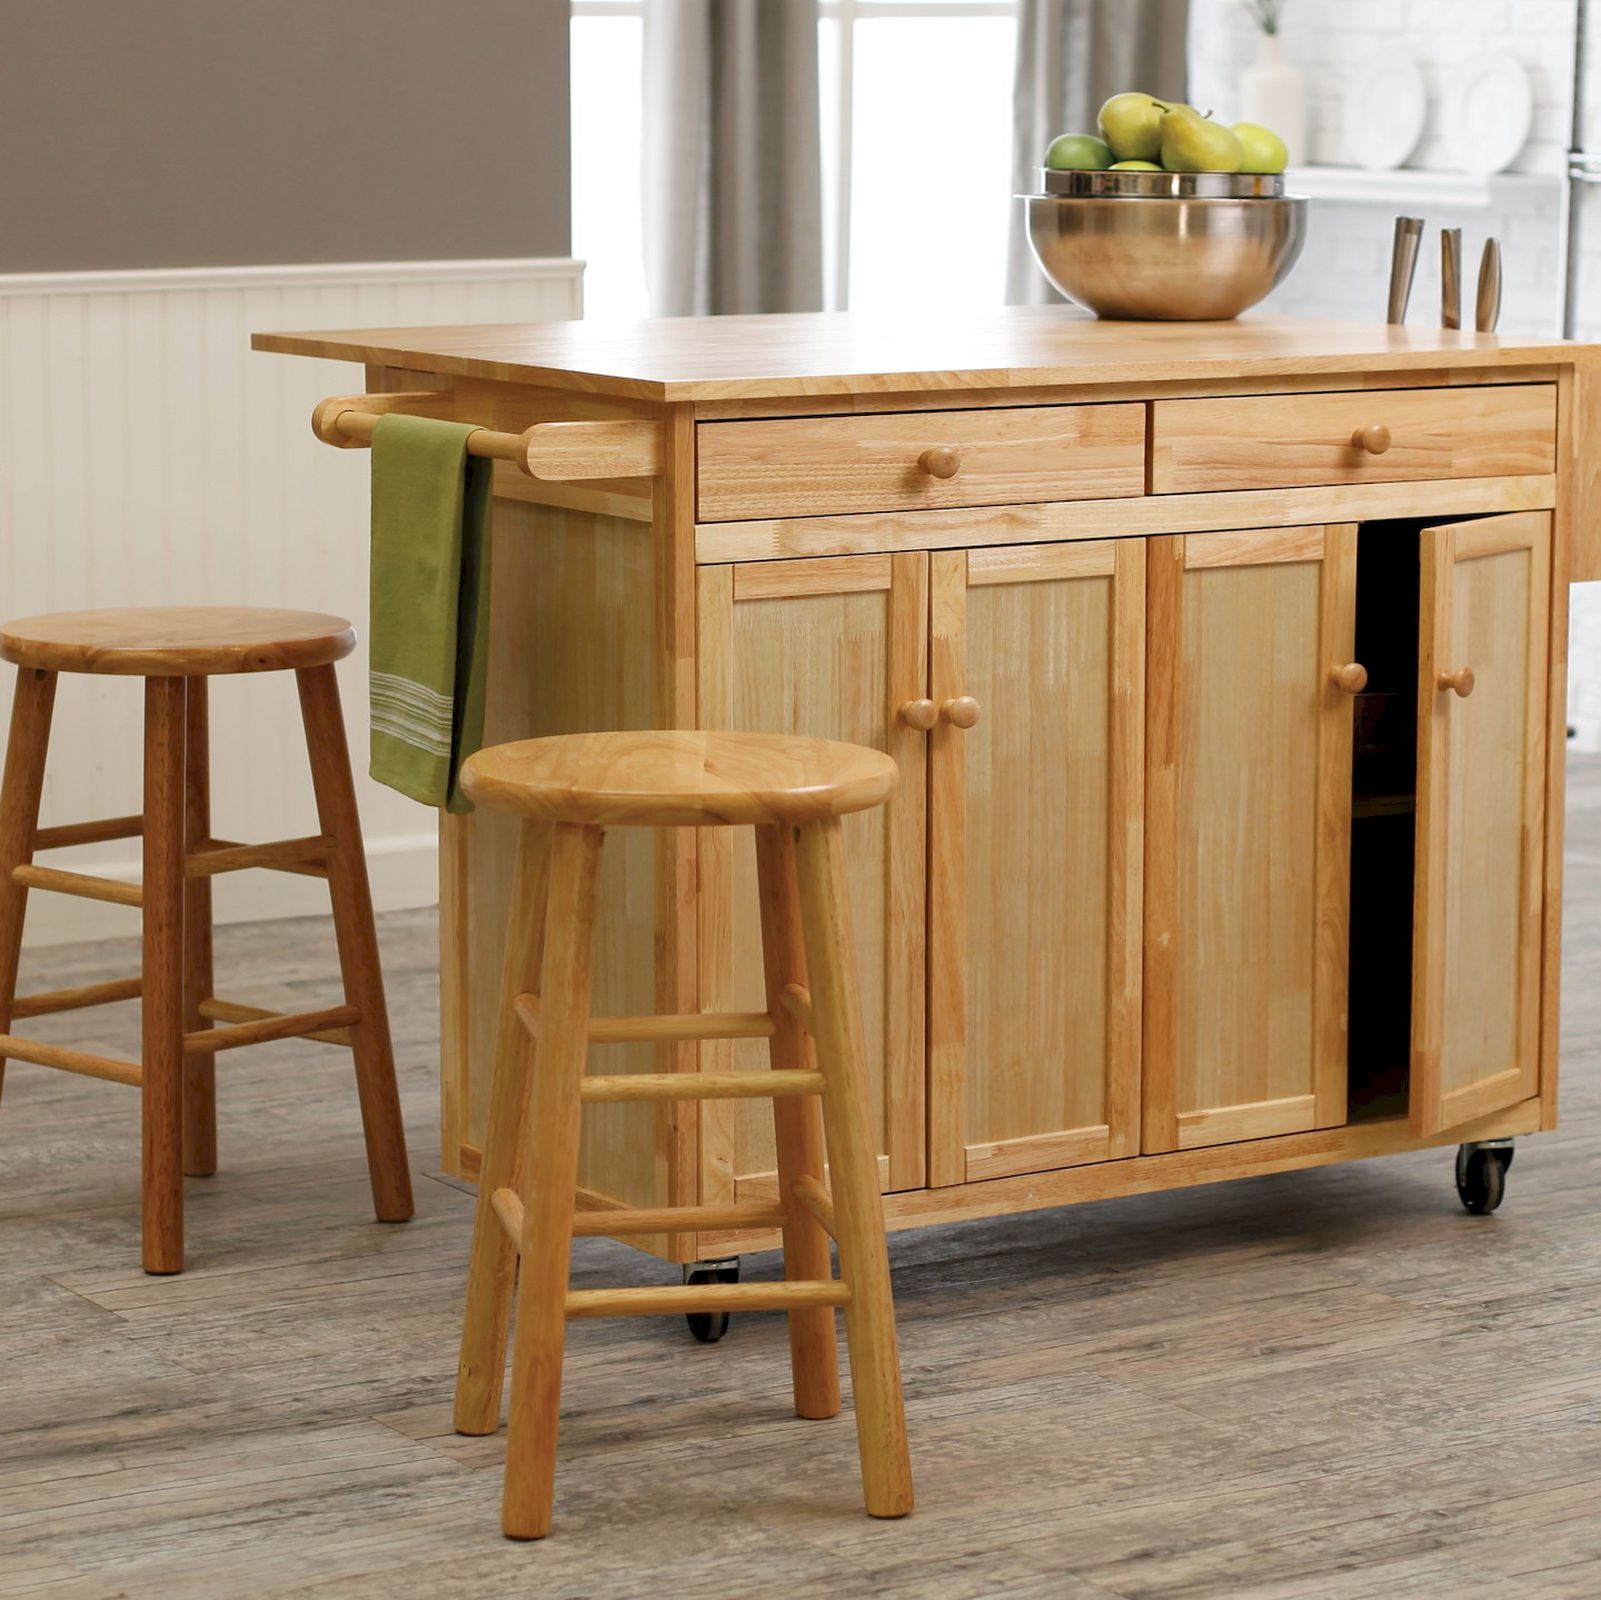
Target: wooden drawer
x: 816, y: 466
x: 1298, y: 440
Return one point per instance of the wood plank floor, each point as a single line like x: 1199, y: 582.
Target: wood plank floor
x: 1329, y: 1384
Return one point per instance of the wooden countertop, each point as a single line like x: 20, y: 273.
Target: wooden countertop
x: 756, y: 357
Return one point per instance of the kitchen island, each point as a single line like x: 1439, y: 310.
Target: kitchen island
x: 1224, y: 665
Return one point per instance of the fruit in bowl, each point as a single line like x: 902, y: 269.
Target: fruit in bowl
x: 1131, y: 124
x: 1193, y: 143
x: 1137, y: 132
x: 1078, y: 152
x: 1263, y: 150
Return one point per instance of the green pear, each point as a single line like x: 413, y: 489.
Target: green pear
x: 1135, y: 166
x: 1262, y: 149
x: 1080, y: 152
x: 1132, y: 125
x: 1193, y: 143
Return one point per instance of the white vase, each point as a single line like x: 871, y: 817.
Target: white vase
x: 1273, y: 93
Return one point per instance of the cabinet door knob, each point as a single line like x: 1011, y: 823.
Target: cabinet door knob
x: 1375, y: 439
x: 940, y: 462
x: 1352, y: 677
x: 962, y: 712
x: 1459, y: 682
x: 919, y: 714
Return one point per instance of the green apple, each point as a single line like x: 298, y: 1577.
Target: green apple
x: 1132, y: 125
x: 1193, y: 143
x: 1262, y: 149
x: 1135, y: 166
x: 1078, y: 152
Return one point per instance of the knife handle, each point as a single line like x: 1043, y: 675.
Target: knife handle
x: 1403, y: 264
x: 1488, y: 311
x: 1450, y: 277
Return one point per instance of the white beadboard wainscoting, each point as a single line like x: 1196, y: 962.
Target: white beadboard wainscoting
x: 149, y: 456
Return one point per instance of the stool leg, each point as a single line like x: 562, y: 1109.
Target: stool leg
x: 797, y: 1128
x: 162, y: 1008
x: 199, y: 1067
x: 19, y: 818
x: 492, y: 1272
x: 853, y: 1168
x: 348, y: 889
x: 549, y: 1189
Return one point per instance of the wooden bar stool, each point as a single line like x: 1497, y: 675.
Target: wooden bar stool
x: 175, y: 649
x: 568, y: 790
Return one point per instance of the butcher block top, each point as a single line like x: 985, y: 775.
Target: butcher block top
x: 828, y: 353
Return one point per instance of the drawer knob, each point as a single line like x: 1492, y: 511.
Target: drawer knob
x: 1352, y: 677
x: 962, y: 712
x: 940, y: 462
x: 1459, y: 682
x: 1375, y: 439
x: 919, y: 714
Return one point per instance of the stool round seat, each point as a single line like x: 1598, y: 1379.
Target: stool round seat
x: 176, y: 641
x: 675, y: 778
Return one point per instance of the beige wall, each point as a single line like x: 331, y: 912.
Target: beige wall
x: 179, y: 133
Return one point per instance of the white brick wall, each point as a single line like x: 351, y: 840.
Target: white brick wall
x: 1344, y: 270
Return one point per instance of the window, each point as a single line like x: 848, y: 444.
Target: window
x: 916, y: 116
x: 608, y: 39
x: 917, y: 160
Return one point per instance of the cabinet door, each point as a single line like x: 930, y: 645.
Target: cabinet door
x: 1483, y: 603
x: 1034, y: 957
x: 831, y: 648
x: 1248, y: 815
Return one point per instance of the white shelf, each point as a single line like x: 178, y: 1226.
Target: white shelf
x: 1411, y: 185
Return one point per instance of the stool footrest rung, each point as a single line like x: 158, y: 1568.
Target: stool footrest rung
x: 83, y: 884
x: 111, y: 1068
x: 656, y: 1029
x: 620, y: 1221
x: 76, y: 999
x: 758, y: 1085
x: 604, y: 1224
x: 307, y: 856
x: 98, y: 832
x: 671, y: 1299
x: 216, y: 1010
x: 274, y: 1025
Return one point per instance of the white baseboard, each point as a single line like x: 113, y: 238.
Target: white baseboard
x: 404, y: 874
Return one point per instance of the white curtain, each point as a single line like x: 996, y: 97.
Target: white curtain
x: 732, y: 166
x: 1071, y: 56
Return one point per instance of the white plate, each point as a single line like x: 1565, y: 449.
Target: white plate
x: 1485, y: 114
x: 1384, y: 111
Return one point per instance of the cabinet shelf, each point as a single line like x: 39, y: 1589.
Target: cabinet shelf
x: 1417, y: 187
x: 1383, y: 805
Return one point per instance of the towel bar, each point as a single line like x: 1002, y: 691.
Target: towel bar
x: 555, y: 452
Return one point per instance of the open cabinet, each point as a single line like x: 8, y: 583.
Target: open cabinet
x: 1480, y: 817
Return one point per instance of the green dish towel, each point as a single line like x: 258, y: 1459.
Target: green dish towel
x: 429, y: 631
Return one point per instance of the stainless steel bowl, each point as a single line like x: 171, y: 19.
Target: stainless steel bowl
x: 1165, y: 260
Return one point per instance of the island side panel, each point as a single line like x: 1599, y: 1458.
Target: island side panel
x: 571, y: 650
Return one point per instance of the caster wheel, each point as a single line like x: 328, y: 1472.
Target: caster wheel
x: 710, y: 1326
x: 1481, y: 1177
